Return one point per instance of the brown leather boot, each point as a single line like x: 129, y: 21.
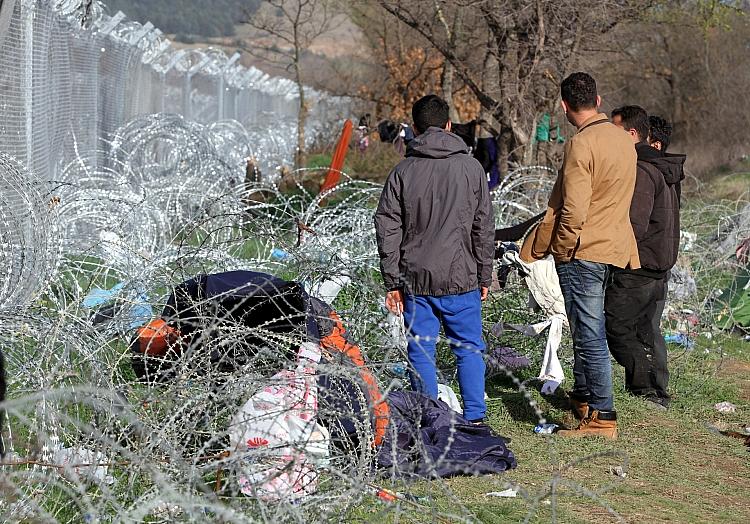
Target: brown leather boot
x: 597, y: 424
x: 580, y: 408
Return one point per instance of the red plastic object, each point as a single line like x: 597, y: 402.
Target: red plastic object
x: 339, y: 156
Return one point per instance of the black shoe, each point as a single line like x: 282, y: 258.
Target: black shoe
x: 657, y: 403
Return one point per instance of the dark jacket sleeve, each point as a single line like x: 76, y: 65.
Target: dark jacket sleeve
x: 483, y: 232
x: 389, y: 230
x: 643, y: 203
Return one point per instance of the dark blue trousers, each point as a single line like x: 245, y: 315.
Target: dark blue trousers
x: 583, y: 284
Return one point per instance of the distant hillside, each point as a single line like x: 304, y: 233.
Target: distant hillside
x: 187, y: 18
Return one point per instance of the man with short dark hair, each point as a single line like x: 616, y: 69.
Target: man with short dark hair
x: 632, y: 119
x: 659, y: 133
x: 636, y: 297
x: 435, y: 232
x: 586, y: 229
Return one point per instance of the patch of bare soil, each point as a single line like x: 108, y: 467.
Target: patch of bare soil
x: 738, y: 372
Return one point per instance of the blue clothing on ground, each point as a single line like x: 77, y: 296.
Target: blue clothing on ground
x: 428, y: 439
x: 583, y: 284
x: 461, y: 317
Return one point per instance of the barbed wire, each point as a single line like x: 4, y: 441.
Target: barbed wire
x: 101, y: 236
x: 90, y: 441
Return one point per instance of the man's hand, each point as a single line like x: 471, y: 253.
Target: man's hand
x: 484, y: 292
x: 394, y: 301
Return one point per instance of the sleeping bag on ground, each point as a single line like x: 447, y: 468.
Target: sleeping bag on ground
x: 229, y: 318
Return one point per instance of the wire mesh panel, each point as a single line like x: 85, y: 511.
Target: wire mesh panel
x: 72, y: 75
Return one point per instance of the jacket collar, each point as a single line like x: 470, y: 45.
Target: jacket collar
x: 591, y: 120
x: 646, y: 152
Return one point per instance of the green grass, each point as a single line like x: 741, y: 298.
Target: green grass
x: 677, y: 469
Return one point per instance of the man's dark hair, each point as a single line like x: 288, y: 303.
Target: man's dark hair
x: 428, y: 111
x: 578, y: 91
x: 633, y: 117
x: 661, y: 130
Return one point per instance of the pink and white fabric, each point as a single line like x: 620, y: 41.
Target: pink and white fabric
x: 276, y: 437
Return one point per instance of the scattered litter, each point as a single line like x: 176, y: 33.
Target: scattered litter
x: 618, y: 471
x: 166, y: 510
x: 545, y: 429
x: 681, y: 339
x: 415, y: 498
x: 725, y: 407
x: 328, y: 290
x: 387, y: 495
x: 687, y: 240
x: 447, y: 395
x: 84, y: 463
x: 549, y: 387
x: 507, y: 357
x: 506, y: 493
x: 682, y: 285
x: 397, y: 369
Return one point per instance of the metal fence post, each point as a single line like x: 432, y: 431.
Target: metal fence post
x: 28, y: 9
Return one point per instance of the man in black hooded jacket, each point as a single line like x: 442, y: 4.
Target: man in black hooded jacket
x: 635, y: 300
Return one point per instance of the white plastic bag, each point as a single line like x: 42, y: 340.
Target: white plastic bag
x: 447, y: 395
x: 276, y: 437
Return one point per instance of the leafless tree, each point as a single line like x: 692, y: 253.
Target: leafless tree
x: 284, y: 31
x: 688, y: 62
x: 512, y: 54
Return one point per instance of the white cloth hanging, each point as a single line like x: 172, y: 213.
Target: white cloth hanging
x: 541, y: 279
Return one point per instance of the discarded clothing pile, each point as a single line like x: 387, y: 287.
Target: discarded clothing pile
x: 427, y: 439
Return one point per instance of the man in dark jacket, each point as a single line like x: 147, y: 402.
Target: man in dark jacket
x: 435, y: 233
x: 635, y: 299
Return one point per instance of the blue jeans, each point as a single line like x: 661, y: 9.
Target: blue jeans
x: 461, y: 317
x: 583, y: 284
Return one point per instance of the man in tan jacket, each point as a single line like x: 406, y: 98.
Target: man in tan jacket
x: 587, y: 229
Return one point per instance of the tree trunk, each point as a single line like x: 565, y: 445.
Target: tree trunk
x: 504, y: 141
x: 446, y: 84
x: 301, y: 121
x: 528, y: 154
